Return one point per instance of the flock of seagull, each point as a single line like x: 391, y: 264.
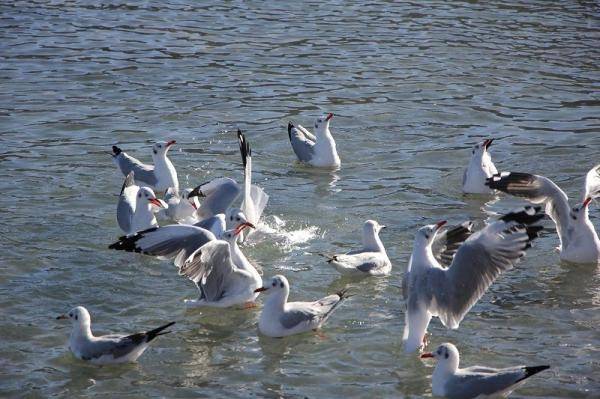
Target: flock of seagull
x: 449, y: 270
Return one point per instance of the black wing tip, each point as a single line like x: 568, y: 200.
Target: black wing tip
x: 244, y: 147
x: 128, y: 243
x: 343, y: 294
x: 533, y: 231
x: 533, y: 370
x: 526, y: 215
x: 501, y: 181
x: 290, y: 127
x: 116, y: 150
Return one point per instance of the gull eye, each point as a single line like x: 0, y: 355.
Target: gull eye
x: 446, y: 355
x: 427, y: 236
x: 75, y: 317
x: 140, y: 195
x: 159, y: 146
x: 70, y: 314
x: 237, y: 218
x: 231, y: 218
x: 154, y: 151
x: 281, y: 284
x: 274, y: 283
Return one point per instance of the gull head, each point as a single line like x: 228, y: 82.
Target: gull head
x: 579, y: 211
x: 79, y: 316
x: 371, y: 227
x: 426, y: 234
x: 235, y: 216
x: 447, y: 356
x: 322, y: 122
x: 146, y: 195
x: 231, y: 235
x: 278, y: 284
x: 481, y: 148
x: 160, y: 148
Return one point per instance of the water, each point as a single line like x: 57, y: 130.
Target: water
x: 412, y: 87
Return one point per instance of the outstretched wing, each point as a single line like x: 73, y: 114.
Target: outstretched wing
x: 447, y: 243
x: 302, y: 145
x: 126, y: 205
x: 219, y: 193
x: 143, y: 173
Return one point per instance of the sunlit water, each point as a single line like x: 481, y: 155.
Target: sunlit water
x: 412, y: 87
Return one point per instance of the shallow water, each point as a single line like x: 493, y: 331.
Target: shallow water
x: 412, y: 87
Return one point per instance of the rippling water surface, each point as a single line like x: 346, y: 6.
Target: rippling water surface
x: 412, y: 86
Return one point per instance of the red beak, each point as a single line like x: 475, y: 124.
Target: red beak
x: 261, y: 289
x: 242, y: 226
x: 438, y: 225
x: 587, y: 201
x: 170, y: 143
x: 156, y: 202
x: 487, y: 143
x: 62, y: 317
x: 329, y: 116
x: 426, y: 355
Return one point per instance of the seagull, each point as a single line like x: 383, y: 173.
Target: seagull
x: 480, y: 168
x: 159, y: 177
x: 319, y: 150
x: 449, y: 293
x: 180, y: 209
x: 477, y: 381
x: 106, y: 349
x: 579, y: 241
x: 370, y: 260
x: 219, y: 195
x: 255, y: 199
x: 280, y: 318
x: 222, y: 273
x: 136, y: 206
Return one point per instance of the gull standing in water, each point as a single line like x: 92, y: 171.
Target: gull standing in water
x: 319, y: 150
x: 222, y: 273
x: 136, y: 206
x: 480, y: 168
x: 159, y: 176
x: 579, y: 241
x: 449, y: 293
x: 477, y: 381
x: 106, y: 349
x: 280, y: 318
x: 371, y: 260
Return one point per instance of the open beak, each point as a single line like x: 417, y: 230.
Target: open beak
x: 426, y: 355
x: 487, y: 143
x: 439, y: 225
x: 329, y: 116
x: 62, y: 317
x: 242, y: 226
x: 587, y: 201
x: 196, y: 193
x: 170, y: 143
x: 157, y: 202
x: 261, y: 289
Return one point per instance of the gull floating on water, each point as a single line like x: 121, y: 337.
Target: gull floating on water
x: 319, y: 150
x: 159, y: 176
x: 280, y: 318
x: 579, y: 241
x: 371, y: 260
x: 449, y: 293
x: 106, y: 349
x: 480, y: 168
x: 477, y: 381
x: 136, y: 207
x: 222, y: 273
x: 180, y: 209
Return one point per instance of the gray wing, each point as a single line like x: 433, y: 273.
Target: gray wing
x: 478, y: 262
x: 367, y: 267
x: 302, y: 145
x: 447, y: 243
x: 539, y: 190
x: 110, y: 345
x: 219, y: 195
x: 214, y: 224
x: 292, y: 318
x: 592, y: 183
x: 307, y: 134
x: 175, y: 240
x: 143, y: 173
x: 126, y: 205
x: 211, y: 268
x: 471, y: 383
x: 314, y: 313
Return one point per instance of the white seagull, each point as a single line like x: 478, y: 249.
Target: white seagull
x: 136, y: 207
x: 480, y: 168
x: 106, y: 349
x: 218, y: 196
x: 319, y: 150
x: 477, y: 381
x: 449, y: 293
x: 159, y: 176
x: 222, y: 273
x: 579, y: 241
x: 371, y: 260
x: 280, y: 318
x: 180, y: 208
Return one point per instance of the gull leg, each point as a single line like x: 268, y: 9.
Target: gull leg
x: 250, y: 305
x: 425, y: 339
x: 320, y: 334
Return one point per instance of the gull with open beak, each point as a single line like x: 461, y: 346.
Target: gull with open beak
x: 579, y: 241
x: 317, y: 150
x: 222, y: 273
x: 159, y: 176
x: 479, y: 169
x: 106, y: 349
x: 430, y: 289
x: 137, y: 206
x: 370, y: 260
x: 280, y: 318
x: 452, y: 382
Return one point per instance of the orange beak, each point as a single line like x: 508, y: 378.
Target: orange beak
x: 170, y: 143
x: 241, y: 227
x: 62, y: 317
x: 426, y: 355
x: 587, y: 201
x: 329, y: 116
x: 438, y: 225
x: 156, y: 202
x: 261, y: 289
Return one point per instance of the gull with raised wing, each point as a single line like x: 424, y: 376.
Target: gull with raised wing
x: 159, y: 176
x: 579, y: 241
x: 280, y: 318
x: 316, y: 150
x: 106, y: 349
x: 180, y: 208
x: 477, y: 381
x: 137, y: 206
x: 479, y: 169
x: 222, y: 273
x: 218, y: 196
x: 371, y: 259
x: 449, y: 293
